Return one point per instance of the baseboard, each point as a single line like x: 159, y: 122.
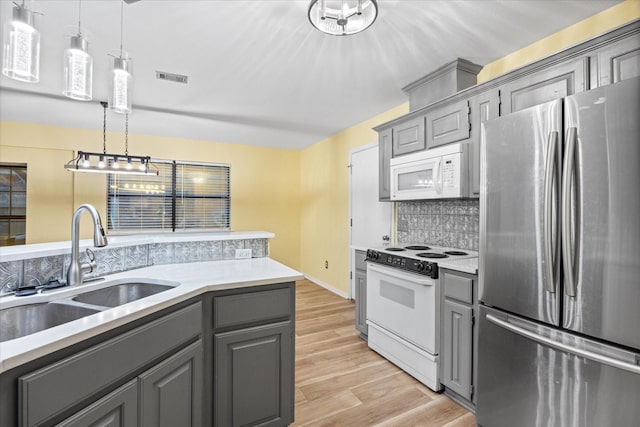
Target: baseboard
x: 327, y: 286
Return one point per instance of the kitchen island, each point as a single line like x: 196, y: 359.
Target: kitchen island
x: 227, y: 325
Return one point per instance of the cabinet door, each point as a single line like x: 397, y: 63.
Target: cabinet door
x: 619, y: 61
x: 171, y: 392
x: 384, y: 157
x: 484, y: 106
x: 448, y: 124
x: 361, y: 302
x: 117, y: 409
x: 543, y: 86
x: 408, y: 137
x: 457, y: 352
x: 253, y: 376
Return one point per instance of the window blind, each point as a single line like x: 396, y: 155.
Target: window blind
x: 184, y: 196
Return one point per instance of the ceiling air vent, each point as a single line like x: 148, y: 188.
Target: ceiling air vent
x: 178, y: 78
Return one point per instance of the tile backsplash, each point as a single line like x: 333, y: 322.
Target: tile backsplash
x: 453, y: 223
x: 40, y: 271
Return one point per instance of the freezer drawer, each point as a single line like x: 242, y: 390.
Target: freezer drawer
x: 525, y: 382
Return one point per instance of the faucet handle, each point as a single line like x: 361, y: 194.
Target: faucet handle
x: 91, y: 265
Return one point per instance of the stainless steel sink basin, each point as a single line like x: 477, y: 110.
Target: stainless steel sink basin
x: 27, y: 319
x: 120, y: 294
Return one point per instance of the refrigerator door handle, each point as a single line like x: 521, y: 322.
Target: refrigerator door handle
x: 596, y: 357
x: 551, y: 240
x: 567, y: 218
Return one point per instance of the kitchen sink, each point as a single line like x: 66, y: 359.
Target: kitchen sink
x: 27, y: 319
x: 121, y: 294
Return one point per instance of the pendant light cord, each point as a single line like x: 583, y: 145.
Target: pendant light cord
x: 121, y: 25
x: 79, y: 14
x: 104, y: 128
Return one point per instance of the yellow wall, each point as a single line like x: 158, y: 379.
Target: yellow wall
x: 264, y: 181
x: 324, y: 178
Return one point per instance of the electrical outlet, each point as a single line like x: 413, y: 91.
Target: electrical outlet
x: 326, y: 264
x: 243, y: 253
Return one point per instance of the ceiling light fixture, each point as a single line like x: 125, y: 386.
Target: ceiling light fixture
x: 110, y: 163
x: 21, y: 53
x: 78, y: 66
x: 342, y: 17
x: 121, y: 76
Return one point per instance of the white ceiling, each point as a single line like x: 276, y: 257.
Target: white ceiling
x: 259, y: 73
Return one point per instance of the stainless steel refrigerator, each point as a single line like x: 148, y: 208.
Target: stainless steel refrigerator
x: 559, y: 286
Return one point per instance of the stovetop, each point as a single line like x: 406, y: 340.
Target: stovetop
x: 417, y: 258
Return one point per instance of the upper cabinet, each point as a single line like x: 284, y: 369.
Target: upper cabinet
x: 384, y: 158
x: 448, y: 124
x: 484, y: 106
x: 616, y: 62
x: 408, y: 137
x: 545, y: 85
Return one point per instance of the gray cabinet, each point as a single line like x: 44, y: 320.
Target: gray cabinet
x: 384, y: 159
x: 409, y: 136
x: 617, y: 61
x: 171, y: 392
x: 253, y: 357
x: 553, y: 82
x: 483, y: 106
x: 447, y: 124
x: 361, y: 293
x: 253, y: 376
x: 458, y: 334
x: 117, y: 409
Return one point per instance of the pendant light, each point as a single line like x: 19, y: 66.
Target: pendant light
x: 342, y: 17
x: 21, y: 53
x: 78, y: 66
x: 122, y: 164
x: 121, y: 76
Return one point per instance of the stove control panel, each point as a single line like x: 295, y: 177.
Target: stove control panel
x: 425, y: 268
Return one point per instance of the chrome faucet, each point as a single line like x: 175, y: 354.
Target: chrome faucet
x: 76, y: 270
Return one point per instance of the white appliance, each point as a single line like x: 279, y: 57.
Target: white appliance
x: 403, y: 305
x: 438, y: 173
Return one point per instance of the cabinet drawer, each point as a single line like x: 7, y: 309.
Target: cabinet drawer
x: 56, y: 388
x: 361, y: 264
x: 252, y: 307
x: 458, y: 287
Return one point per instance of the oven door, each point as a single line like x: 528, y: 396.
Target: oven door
x: 420, y: 179
x: 404, y: 304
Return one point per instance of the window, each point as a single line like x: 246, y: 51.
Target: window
x: 183, y: 197
x: 13, y: 204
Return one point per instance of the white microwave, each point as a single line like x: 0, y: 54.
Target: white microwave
x: 438, y: 173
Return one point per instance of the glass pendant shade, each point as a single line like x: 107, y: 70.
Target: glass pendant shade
x: 121, y: 85
x: 342, y: 17
x: 21, y: 53
x: 78, y: 70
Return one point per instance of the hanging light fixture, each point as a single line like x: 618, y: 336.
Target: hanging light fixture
x: 342, y: 17
x: 121, y: 76
x: 111, y: 163
x: 21, y: 54
x: 78, y: 66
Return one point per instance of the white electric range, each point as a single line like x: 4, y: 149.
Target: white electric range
x: 403, y: 309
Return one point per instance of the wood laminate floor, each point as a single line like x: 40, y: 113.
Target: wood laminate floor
x: 341, y: 382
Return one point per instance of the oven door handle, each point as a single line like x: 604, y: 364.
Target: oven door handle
x: 392, y: 273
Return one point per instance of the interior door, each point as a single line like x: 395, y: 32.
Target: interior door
x: 370, y: 218
x: 514, y: 268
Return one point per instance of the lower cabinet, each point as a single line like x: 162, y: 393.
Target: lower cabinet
x: 361, y: 293
x: 458, y: 335
x: 117, y: 409
x: 254, y: 376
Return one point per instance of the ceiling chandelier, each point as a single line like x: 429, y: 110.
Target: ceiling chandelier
x: 111, y: 163
x: 342, y: 17
x: 21, y: 53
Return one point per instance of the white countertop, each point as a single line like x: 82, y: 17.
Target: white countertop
x: 465, y: 265
x: 37, y: 250
x: 193, y: 278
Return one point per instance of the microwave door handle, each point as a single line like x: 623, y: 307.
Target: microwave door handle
x: 437, y: 178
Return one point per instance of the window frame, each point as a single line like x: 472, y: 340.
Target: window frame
x: 11, y: 191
